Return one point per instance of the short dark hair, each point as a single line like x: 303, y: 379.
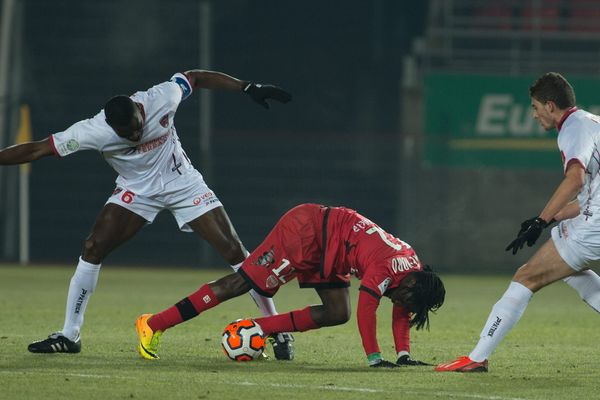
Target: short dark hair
x: 552, y: 86
x: 427, y: 294
x: 119, y: 110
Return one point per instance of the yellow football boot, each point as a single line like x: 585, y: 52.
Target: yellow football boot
x: 149, y: 339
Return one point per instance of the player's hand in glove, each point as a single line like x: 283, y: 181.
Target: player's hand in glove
x: 531, y: 230
x: 525, y: 224
x: 406, y: 360
x: 383, y: 364
x: 261, y: 93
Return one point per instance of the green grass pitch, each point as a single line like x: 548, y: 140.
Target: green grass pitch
x: 551, y: 354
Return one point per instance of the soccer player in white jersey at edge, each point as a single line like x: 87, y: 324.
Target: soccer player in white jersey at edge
x: 137, y: 137
x: 575, y: 205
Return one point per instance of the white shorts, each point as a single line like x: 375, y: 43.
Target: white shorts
x: 187, y: 197
x: 577, y: 242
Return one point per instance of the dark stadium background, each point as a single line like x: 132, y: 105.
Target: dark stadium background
x: 341, y: 141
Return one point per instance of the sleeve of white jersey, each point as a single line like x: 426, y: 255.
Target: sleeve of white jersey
x: 170, y: 93
x: 576, y: 145
x: 184, y: 85
x: 83, y: 135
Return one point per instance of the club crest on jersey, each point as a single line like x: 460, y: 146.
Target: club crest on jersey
x: 272, y: 282
x: 164, y: 121
x: 73, y: 145
x: 267, y: 258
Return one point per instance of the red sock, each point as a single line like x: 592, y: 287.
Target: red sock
x: 295, y: 321
x: 196, y: 303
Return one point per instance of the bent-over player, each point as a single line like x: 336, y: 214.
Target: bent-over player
x: 136, y: 136
x: 321, y: 247
x: 575, y: 243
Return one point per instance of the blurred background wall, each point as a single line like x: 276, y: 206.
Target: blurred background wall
x: 414, y: 113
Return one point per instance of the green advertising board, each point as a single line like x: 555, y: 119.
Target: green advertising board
x: 487, y: 121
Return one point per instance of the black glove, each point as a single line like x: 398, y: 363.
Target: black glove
x: 406, y: 360
x: 260, y: 93
x: 383, y: 364
x: 529, y: 233
x: 525, y: 224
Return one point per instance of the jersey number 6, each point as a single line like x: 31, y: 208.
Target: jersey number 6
x: 127, y: 197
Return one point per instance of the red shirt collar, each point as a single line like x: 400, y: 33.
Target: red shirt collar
x: 564, y: 117
x: 140, y: 106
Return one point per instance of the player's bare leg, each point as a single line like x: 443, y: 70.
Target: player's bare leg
x: 587, y: 285
x: 113, y: 227
x: 150, y: 327
x: 335, y: 309
x: 545, y: 267
x: 216, y: 228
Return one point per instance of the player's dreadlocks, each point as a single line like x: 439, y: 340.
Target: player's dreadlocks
x: 427, y: 294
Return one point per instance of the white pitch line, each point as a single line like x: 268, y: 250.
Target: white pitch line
x: 292, y: 386
x: 369, y: 390
x: 63, y: 375
x: 296, y: 386
x: 462, y: 395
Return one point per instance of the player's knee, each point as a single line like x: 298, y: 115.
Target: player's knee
x: 95, y: 249
x: 528, y: 278
x: 229, y: 286
x: 339, y: 315
x: 233, y: 252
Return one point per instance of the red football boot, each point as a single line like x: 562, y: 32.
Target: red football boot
x: 463, y: 364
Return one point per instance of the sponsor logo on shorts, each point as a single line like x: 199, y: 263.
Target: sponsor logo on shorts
x: 206, y: 198
x: 272, y: 282
x: 563, y: 231
x: 266, y: 259
x: 117, y: 191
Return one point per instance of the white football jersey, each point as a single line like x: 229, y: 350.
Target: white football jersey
x: 578, y: 141
x: 144, y: 167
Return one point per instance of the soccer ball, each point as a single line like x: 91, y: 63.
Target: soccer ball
x: 243, y: 340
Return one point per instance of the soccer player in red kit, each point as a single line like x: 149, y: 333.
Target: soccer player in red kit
x: 321, y: 247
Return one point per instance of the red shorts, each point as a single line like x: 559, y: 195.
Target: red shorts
x: 292, y: 249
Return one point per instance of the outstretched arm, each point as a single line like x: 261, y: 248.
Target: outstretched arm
x: 26, y: 152
x: 219, y: 81
x: 213, y: 80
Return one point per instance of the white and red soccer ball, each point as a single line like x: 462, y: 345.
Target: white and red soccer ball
x: 243, y: 340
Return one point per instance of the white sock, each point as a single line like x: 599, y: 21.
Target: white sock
x: 265, y: 304
x: 82, y: 286
x: 505, y: 314
x: 587, y: 284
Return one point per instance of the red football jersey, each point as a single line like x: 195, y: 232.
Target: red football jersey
x: 358, y: 246
x: 322, y: 246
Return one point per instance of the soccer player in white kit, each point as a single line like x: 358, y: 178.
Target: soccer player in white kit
x: 137, y: 138
x: 575, y: 205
